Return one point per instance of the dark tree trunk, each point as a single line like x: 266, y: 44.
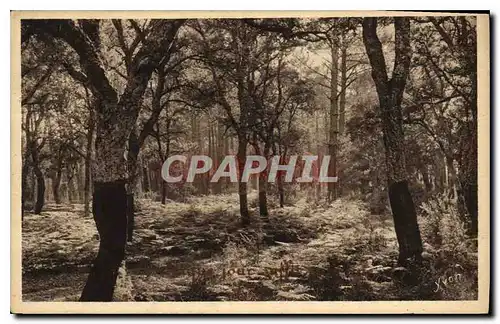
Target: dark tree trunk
x: 40, y: 190
x: 145, y: 177
x: 242, y: 186
x: 163, y: 192
x: 24, y: 183
x: 467, y: 182
x: 281, y: 191
x: 262, y: 199
x: 109, y: 208
x: 405, y: 221
x: 390, y: 93
x: 263, y: 185
x: 56, y: 182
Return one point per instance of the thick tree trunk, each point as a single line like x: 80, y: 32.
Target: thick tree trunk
x: 390, y: 93
x: 109, y: 208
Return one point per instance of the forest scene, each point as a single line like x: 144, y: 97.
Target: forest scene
x: 390, y: 101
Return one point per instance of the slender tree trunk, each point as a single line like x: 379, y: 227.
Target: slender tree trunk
x: 56, y: 181
x: 342, y: 105
x: 133, y: 154
x: 467, y: 180
x: 343, y: 88
x: 425, y: 177
x: 263, y: 183
x: 40, y: 181
x: 145, y: 178
x: 88, y: 161
x: 219, y: 151
x: 24, y: 182
x: 318, y: 151
x: 334, y: 114
x: 390, y: 93
x: 242, y: 186
x: 163, y: 192
x: 281, y: 189
x: 263, y: 196
x: 452, y: 177
x: 86, y: 186
x: 40, y: 189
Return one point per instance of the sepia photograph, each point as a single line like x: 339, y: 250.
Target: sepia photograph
x: 313, y: 161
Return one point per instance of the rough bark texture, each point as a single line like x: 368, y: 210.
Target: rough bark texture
x: 390, y: 93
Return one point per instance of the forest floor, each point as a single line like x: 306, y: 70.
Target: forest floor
x: 198, y: 251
